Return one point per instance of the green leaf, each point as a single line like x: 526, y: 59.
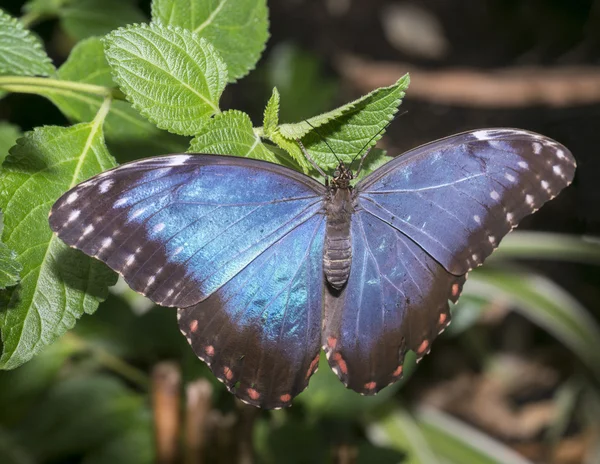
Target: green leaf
x: 546, y: 245
x: 291, y: 147
x: 123, y: 125
x: 58, y: 284
x: 383, y: 102
x: 84, y: 415
x: 172, y: 76
x: 21, y: 52
x: 399, y: 430
x: 305, y: 87
x: 9, y: 134
x: 230, y: 133
x: 44, y: 7
x: 459, y: 443
x: 544, y: 303
x: 271, y: 117
x: 87, y: 18
x: 10, y: 268
x: 348, y: 129
x: 237, y: 29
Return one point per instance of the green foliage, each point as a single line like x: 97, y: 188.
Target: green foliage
x: 171, y: 75
x: 237, y: 29
x: 87, y: 18
x: 9, y: 134
x: 58, y: 284
x: 21, y: 52
x: 230, y: 133
x: 86, y: 64
x: 10, y: 268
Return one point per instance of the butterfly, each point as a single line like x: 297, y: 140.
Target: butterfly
x: 267, y: 266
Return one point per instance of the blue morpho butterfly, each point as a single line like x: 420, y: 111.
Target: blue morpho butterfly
x: 267, y: 265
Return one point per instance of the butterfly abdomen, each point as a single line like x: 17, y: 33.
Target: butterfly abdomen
x: 337, y: 256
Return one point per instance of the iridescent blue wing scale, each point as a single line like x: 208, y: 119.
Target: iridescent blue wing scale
x: 396, y: 299
x: 457, y: 197
x: 178, y: 227
x: 422, y: 221
x: 260, y: 333
x: 236, y: 243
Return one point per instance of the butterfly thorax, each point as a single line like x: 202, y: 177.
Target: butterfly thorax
x: 337, y: 255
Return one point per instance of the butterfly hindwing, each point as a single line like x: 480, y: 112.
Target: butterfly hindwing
x: 459, y: 196
x: 260, y: 333
x: 178, y: 227
x: 396, y: 299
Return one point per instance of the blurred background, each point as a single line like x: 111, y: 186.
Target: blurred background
x: 515, y: 379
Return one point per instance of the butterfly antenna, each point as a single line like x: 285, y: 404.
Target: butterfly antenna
x: 324, y: 140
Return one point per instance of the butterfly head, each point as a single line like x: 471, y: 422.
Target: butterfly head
x: 342, y: 177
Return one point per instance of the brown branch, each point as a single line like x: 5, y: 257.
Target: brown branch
x: 501, y: 88
x: 166, y: 399
x: 198, y: 406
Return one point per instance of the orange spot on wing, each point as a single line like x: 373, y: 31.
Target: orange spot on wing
x: 285, y: 398
x: 455, y: 289
x: 423, y: 347
x: 341, y: 363
x: 443, y: 318
x: 253, y: 394
x: 313, y: 366
x: 398, y: 371
x: 228, y: 373
x: 193, y: 326
x: 370, y: 385
x: 210, y: 350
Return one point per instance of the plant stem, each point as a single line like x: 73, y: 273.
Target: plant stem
x: 37, y: 85
x: 111, y: 362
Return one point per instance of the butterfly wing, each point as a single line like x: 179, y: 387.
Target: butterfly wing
x: 422, y: 221
x: 178, y: 227
x: 260, y: 333
x: 236, y: 243
x: 459, y: 196
x: 396, y: 299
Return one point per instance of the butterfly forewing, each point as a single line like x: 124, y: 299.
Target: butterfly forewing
x: 178, y: 227
x: 459, y: 196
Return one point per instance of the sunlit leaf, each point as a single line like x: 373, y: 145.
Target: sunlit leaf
x: 58, y: 284
x: 21, y: 52
x: 171, y: 75
x: 237, y: 29
x: 230, y: 133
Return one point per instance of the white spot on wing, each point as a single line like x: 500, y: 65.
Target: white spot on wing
x: 130, y: 260
x: 178, y: 160
x: 158, y: 227
x: 481, y: 134
x: 557, y: 170
x: 121, y: 201
x: 106, y: 242
x: 492, y: 239
x: 138, y: 212
x: 88, y: 230
x: 523, y: 164
x: 560, y: 153
x: 537, y: 147
x: 545, y: 185
x: 529, y: 199
x: 71, y: 198
x: 178, y: 250
x: 151, y: 281
x: 74, y: 215
x: 477, y: 219
x: 509, y: 217
x: 510, y: 177
x: 106, y: 185
x: 495, y: 195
